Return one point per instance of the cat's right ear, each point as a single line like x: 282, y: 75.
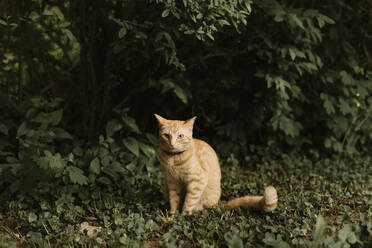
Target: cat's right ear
x: 190, y: 123
x: 160, y: 119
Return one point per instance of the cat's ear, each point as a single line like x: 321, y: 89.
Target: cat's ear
x: 160, y: 119
x: 190, y: 122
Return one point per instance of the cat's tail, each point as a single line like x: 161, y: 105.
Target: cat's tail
x: 267, y: 202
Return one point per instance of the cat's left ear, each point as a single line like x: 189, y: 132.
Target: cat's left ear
x: 190, y: 122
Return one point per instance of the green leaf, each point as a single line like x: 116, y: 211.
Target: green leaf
x: 328, y: 103
x: 295, y: 20
x: 149, y: 151
x: 122, y: 32
x: 52, y: 118
x: 328, y: 143
x: 131, y: 123
x: 56, y: 117
x: 113, y: 126
x: 309, y: 67
x: 56, y: 162
x: 165, y: 13
x: 180, y: 93
x: 117, y: 167
x: 77, y: 175
x: 22, y: 129
x: 78, y: 151
x: 352, y: 239
x: 4, y: 129
x: 60, y: 133
x: 47, y: 12
x: 104, y: 180
x: 279, y: 15
x: 152, y: 138
x: 289, y: 126
x: 34, y: 16
x: 32, y: 217
x: 58, y: 13
x: 318, y: 235
x: 345, y: 107
x: 322, y: 20
x: 223, y: 22
x: 248, y: 6
x: 369, y: 227
x: 70, y: 157
x: 269, y: 239
x: 169, y: 40
x: 292, y: 53
x: 69, y: 34
x: 152, y: 226
x: 328, y: 20
x: 95, y: 166
x: 132, y: 145
x: 346, y: 78
x: 273, y: 241
x: 346, y: 233
x: 235, y: 242
x: 329, y: 107
x: 210, y: 35
x: 35, y: 236
x: 48, y: 154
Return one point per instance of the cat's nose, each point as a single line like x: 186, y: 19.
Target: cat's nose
x: 172, y: 144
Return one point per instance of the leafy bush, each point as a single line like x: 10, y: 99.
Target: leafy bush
x: 272, y: 73
x: 38, y: 158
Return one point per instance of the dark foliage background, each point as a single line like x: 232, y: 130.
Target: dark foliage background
x: 271, y: 73
x: 80, y: 81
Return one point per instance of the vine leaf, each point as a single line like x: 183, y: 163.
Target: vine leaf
x: 77, y: 175
x: 132, y: 145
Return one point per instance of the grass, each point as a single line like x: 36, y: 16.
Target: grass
x: 321, y: 203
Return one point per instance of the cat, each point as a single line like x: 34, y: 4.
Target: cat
x: 192, y: 171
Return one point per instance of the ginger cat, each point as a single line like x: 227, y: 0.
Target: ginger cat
x: 192, y: 171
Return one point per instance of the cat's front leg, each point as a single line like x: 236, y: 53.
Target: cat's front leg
x: 174, y: 197
x: 194, y: 192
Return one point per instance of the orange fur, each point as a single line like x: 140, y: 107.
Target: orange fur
x: 192, y: 171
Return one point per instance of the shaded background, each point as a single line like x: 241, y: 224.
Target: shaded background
x: 279, y: 74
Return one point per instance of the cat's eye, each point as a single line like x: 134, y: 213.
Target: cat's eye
x: 180, y: 136
x: 166, y: 135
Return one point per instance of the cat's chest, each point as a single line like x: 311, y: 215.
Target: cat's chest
x: 180, y: 172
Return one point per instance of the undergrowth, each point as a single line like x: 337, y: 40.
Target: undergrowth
x: 59, y: 192
x: 322, y: 204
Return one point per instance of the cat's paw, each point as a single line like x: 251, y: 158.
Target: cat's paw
x: 270, y: 199
x: 167, y: 218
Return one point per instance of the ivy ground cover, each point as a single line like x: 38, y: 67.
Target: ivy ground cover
x: 323, y: 203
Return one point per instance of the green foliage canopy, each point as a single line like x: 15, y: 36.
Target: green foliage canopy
x: 273, y: 73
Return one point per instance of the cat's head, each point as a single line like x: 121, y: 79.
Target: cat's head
x: 175, y: 136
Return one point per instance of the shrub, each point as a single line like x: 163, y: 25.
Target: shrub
x: 279, y: 74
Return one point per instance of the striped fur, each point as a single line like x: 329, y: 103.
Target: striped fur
x: 192, y: 171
